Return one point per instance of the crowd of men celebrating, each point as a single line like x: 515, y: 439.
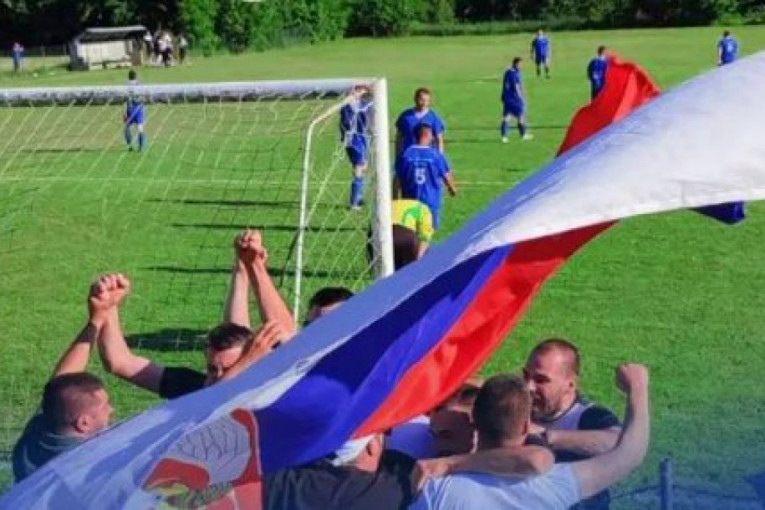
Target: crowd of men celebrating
x: 525, y: 440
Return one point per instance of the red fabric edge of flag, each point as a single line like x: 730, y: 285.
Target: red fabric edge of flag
x: 509, y: 291
x: 480, y: 329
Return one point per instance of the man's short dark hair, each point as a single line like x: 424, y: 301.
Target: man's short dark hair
x: 502, y: 410
x: 560, y: 344
x: 726, y: 33
x: 422, y: 90
x: 66, y: 396
x: 227, y: 335
x: 406, y: 246
x: 601, y: 50
x: 132, y: 75
x: 516, y: 61
x: 329, y: 296
x: 420, y: 129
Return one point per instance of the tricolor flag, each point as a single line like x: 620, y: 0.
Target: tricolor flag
x: 401, y: 346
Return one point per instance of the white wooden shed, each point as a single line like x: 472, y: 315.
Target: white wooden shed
x: 105, y: 48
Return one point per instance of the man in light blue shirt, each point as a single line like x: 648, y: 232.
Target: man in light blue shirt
x: 502, y: 416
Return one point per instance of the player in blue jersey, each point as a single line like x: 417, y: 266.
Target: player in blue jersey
x: 134, y: 114
x: 541, y: 53
x: 596, y: 72
x: 727, y: 49
x: 354, y: 126
x: 412, y: 117
x: 420, y: 170
x: 513, y: 102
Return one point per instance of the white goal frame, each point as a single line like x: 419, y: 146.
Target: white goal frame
x: 382, y: 234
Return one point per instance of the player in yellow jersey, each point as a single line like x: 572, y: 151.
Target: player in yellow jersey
x: 412, y: 231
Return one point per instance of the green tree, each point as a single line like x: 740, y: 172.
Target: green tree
x: 197, y: 20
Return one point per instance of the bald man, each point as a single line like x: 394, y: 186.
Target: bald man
x: 574, y: 428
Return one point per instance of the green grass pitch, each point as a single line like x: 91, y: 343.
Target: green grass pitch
x: 678, y: 292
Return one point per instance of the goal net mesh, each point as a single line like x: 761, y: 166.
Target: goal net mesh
x: 74, y: 203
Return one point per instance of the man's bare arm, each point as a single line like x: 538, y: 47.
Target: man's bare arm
x: 584, y: 442
x: 271, y: 306
x: 75, y: 358
x: 599, y: 473
x: 259, y: 346
x: 116, y: 356
x: 237, y: 309
x: 451, y: 184
x: 511, y: 461
x: 441, y: 143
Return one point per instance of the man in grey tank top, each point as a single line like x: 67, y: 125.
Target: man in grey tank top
x: 572, y: 427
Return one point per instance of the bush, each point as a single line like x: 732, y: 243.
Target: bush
x: 383, y: 17
x: 498, y: 27
x: 322, y: 20
x: 198, y: 20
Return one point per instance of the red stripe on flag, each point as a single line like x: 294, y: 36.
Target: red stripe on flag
x: 509, y: 291
x: 627, y: 87
x: 480, y: 329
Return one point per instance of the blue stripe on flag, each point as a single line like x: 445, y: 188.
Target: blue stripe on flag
x: 349, y: 384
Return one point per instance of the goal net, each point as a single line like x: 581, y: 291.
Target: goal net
x: 219, y: 158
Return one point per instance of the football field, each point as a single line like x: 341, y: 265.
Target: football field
x: 677, y: 292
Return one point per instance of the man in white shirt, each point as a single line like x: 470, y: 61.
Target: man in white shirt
x: 502, y: 416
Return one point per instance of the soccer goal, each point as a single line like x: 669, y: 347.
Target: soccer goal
x: 219, y: 158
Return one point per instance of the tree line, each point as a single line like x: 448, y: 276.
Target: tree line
x: 238, y: 25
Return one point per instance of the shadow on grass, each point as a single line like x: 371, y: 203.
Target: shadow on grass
x: 169, y: 340
x: 264, y: 228
x: 273, y: 271
x: 495, y: 128
x: 290, y: 204
x: 61, y: 150
x: 285, y: 204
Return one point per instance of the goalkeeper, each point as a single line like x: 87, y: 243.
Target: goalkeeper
x: 354, y: 125
x: 134, y: 114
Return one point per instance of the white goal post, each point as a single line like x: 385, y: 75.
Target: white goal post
x: 78, y: 200
x: 262, y: 91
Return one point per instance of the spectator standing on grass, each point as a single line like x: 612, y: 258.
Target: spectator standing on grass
x: 167, y: 51
x: 596, y: 72
x: 158, y: 48
x: 75, y: 404
x: 17, y: 55
x: 183, y: 48
x: 502, y: 416
x: 572, y: 427
x: 148, y: 45
x: 727, y: 49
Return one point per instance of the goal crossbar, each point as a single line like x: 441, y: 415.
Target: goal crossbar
x: 190, y: 93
